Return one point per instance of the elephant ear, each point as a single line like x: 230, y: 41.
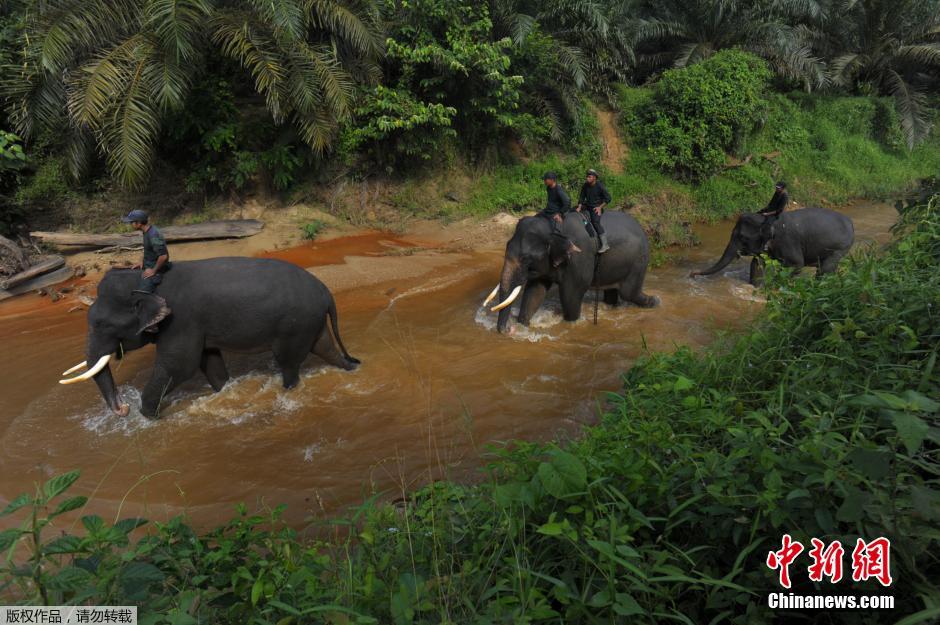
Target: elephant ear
x: 752, y: 232
x: 149, y: 308
x: 560, y: 250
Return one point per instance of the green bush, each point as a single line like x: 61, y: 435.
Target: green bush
x: 393, y: 129
x: 701, y: 112
x: 313, y: 229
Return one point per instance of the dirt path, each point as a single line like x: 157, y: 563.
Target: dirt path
x: 615, y: 150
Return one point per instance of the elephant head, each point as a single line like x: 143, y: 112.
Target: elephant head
x: 529, y: 253
x: 747, y: 239
x: 115, y: 325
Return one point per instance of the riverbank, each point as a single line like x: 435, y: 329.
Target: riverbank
x: 816, y: 424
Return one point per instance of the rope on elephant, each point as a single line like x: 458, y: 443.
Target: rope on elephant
x: 597, y: 294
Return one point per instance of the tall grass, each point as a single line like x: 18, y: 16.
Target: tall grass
x: 821, y: 422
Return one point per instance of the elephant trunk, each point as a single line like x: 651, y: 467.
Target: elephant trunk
x: 108, y: 389
x: 512, y: 277
x: 731, y: 252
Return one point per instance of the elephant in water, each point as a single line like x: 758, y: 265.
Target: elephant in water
x: 530, y: 267
x: 237, y: 304
x: 818, y: 237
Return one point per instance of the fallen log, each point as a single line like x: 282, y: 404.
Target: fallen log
x: 44, y: 266
x: 227, y: 229
x: 55, y: 277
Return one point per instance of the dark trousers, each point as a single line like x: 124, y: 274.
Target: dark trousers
x: 595, y: 219
x: 556, y: 227
x: 149, y: 285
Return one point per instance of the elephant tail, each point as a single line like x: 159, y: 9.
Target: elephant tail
x: 334, y: 324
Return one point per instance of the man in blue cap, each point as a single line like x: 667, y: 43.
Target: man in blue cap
x: 155, y: 262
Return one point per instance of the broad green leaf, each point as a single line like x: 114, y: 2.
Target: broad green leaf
x: 682, y: 384
x: 256, y: 589
x: 93, y: 523
x: 875, y: 464
x: 125, y: 526
x: 72, y: 503
x: 550, y: 529
x: 70, y: 579
x: 16, y: 504
x: 8, y: 537
x: 562, y: 475
x: 626, y: 605
x: 58, y: 485
x: 926, y: 502
x: 63, y: 544
x: 912, y: 430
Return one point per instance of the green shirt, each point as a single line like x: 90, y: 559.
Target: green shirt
x: 154, y: 247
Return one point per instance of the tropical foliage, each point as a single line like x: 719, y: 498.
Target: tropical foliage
x: 699, y: 114
x: 230, y: 93
x: 106, y: 74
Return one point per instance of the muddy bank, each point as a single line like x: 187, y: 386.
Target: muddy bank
x: 437, y: 383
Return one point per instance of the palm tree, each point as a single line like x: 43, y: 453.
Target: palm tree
x: 891, y: 47
x: 681, y: 32
x: 104, y: 73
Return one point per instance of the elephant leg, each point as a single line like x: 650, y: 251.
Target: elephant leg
x: 830, y: 263
x: 290, y: 352
x: 164, y: 379
x: 631, y: 289
x: 532, y: 298
x: 571, y: 298
x: 756, y: 275
x: 611, y: 297
x: 214, y: 369
x: 325, y: 347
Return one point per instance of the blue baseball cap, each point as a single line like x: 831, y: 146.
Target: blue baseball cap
x: 135, y: 215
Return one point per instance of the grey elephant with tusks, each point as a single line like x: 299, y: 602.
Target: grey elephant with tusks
x: 531, y: 266
x: 816, y: 237
x: 234, y: 304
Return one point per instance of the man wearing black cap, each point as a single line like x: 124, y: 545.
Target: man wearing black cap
x: 778, y: 203
x: 155, y: 262
x: 557, y: 202
x: 594, y: 197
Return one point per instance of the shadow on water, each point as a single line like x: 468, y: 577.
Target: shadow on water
x: 437, y: 383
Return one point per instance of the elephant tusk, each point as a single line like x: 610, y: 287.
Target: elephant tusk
x: 509, y: 300
x: 101, y: 364
x: 77, y: 367
x: 491, y: 296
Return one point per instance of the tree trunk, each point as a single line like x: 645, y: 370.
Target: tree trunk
x: 227, y: 229
x: 44, y: 266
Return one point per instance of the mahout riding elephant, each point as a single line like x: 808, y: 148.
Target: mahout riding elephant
x: 236, y: 304
x: 533, y: 263
x: 817, y: 237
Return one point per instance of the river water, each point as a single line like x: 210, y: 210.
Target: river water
x: 436, y: 386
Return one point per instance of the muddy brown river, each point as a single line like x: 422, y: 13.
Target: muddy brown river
x: 436, y: 385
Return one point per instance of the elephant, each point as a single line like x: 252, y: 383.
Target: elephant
x: 534, y: 262
x: 817, y: 237
x: 235, y: 304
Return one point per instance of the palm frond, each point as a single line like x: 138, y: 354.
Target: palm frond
x: 241, y: 41
x: 178, y: 25
x: 843, y: 69
x: 129, y: 134
x: 911, y: 105
x: 348, y: 25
